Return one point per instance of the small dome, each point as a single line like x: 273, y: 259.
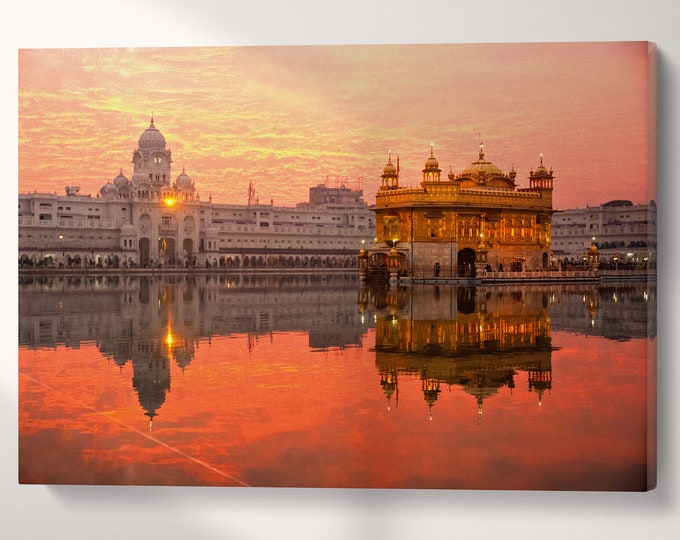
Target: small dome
x: 432, y: 163
x: 541, y: 170
x: 152, y: 139
x: 183, y: 180
x: 108, y: 191
x: 121, y: 180
x: 390, y: 168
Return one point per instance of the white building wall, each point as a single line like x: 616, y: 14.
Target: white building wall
x: 616, y: 230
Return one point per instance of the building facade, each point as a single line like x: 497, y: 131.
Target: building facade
x: 155, y: 220
x: 473, y: 221
x: 624, y: 233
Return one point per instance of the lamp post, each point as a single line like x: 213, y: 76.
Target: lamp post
x: 481, y: 256
x: 393, y: 264
x: 363, y: 262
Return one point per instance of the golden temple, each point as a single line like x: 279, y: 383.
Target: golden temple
x: 475, y: 221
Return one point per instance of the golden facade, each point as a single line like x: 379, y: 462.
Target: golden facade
x: 474, y: 221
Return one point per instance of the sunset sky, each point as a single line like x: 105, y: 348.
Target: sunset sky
x: 288, y: 117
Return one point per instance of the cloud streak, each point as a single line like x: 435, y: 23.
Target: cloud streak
x: 286, y: 117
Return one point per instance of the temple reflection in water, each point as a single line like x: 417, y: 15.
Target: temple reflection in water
x: 477, y: 338
x: 480, y: 339
x: 155, y: 321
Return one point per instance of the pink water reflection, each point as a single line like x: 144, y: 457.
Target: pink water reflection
x: 272, y: 412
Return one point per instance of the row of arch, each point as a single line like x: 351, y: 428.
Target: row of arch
x: 236, y: 262
x: 284, y: 261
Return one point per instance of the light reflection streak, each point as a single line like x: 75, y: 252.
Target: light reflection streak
x: 137, y: 431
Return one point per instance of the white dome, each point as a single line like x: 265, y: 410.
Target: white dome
x: 152, y: 139
x: 120, y: 181
x: 183, y: 180
x: 108, y: 189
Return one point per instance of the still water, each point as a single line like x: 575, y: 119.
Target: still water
x: 319, y: 381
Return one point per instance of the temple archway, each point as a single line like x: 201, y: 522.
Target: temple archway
x: 188, y: 248
x: 466, y: 262
x: 144, y: 250
x: 166, y: 249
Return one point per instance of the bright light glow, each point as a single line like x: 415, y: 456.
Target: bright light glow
x: 169, y: 201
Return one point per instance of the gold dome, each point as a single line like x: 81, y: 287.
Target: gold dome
x: 483, y: 166
x: 432, y: 163
x: 390, y: 168
x: 541, y: 170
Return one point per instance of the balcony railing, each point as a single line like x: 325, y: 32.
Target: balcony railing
x: 76, y: 223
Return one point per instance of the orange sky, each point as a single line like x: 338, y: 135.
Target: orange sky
x: 288, y: 117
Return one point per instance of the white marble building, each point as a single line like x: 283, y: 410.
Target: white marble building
x: 153, y: 219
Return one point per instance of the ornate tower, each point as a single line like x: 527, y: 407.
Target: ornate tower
x: 541, y: 179
x: 151, y: 163
x: 432, y: 172
x: 390, y: 176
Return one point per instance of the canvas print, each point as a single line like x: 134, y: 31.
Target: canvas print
x: 409, y: 266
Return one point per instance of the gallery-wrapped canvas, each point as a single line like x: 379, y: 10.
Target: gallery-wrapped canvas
x: 361, y: 266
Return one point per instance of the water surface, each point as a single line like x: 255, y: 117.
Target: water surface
x: 318, y: 381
